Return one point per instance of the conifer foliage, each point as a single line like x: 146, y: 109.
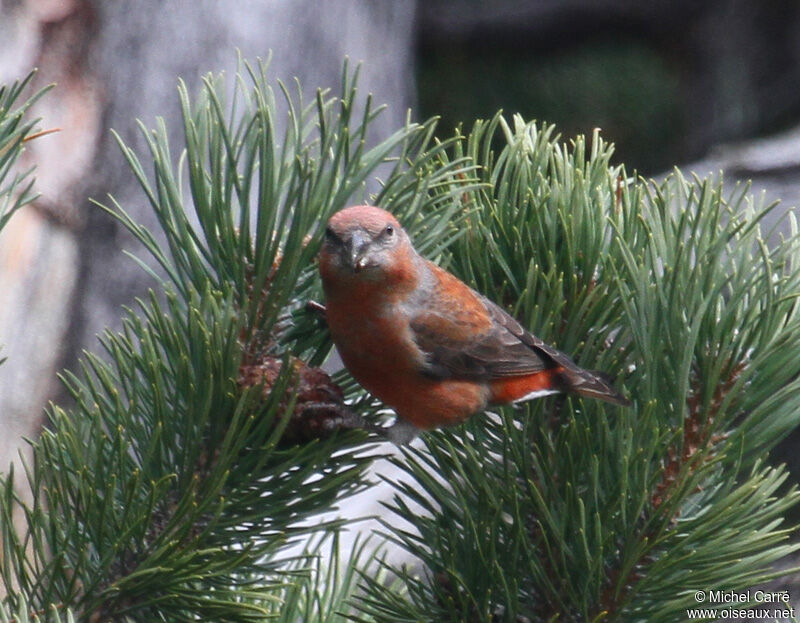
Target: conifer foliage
x: 203, y: 438
x: 16, y: 187
x: 573, y: 510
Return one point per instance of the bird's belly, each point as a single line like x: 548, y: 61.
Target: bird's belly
x: 381, y: 355
x: 430, y: 404
x: 375, y: 345
x: 425, y: 402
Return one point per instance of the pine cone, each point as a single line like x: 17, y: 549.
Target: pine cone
x: 319, y: 409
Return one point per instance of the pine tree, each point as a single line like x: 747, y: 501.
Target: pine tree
x: 204, y: 439
x: 571, y: 510
x: 201, y: 441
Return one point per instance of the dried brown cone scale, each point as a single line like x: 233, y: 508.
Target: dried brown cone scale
x: 319, y: 409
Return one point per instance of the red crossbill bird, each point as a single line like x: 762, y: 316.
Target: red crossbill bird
x: 424, y: 342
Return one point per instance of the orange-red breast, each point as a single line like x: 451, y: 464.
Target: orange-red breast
x: 424, y: 342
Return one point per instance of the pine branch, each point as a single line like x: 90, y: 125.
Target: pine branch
x: 16, y: 187
x: 25, y: 615
x: 574, y: 510
x: 325, y: 581
x: 205, y: 438
x: 195, y: 454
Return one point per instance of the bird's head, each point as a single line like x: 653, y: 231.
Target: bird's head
x: 365, y: 244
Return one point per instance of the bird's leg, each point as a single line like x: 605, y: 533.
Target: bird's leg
x: 401, y: 433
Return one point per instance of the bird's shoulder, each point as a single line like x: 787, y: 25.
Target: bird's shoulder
x: 465, y: 335
x: 448, y: 308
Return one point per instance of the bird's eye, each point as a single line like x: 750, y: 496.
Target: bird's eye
x: 331, y: 236
x: 389, y: 231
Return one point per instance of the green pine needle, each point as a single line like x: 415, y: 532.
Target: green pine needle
x: 16, y: 187
x: 574, y: 510
x: 170, y: 491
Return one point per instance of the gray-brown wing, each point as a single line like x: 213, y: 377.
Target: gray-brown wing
x: 457, y: 346
x: 454, y: 349
x: 591, y: 383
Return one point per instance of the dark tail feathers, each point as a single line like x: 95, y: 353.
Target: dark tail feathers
x: 592, y: 384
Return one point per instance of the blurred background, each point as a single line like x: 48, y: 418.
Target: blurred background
x: 708, y: 86
x: 666, y: 80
